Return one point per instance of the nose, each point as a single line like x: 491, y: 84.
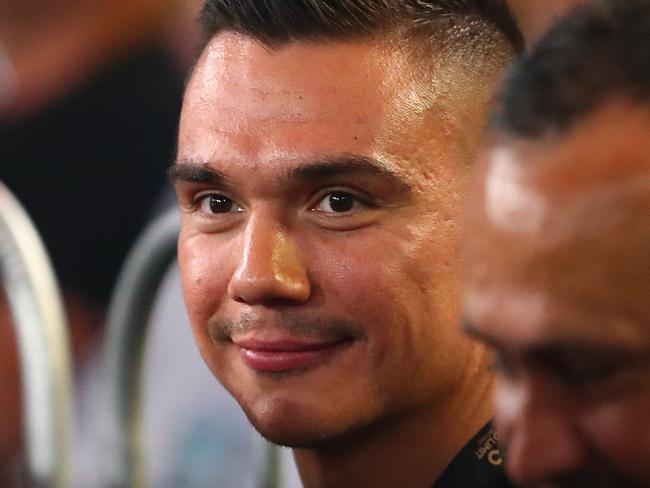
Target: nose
x: 536, y: 425
x: 270, y: 269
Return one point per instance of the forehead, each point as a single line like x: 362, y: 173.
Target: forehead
x: 248, y: 99
x: 560, y: 229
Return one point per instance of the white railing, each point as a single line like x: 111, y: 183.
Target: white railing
x: 43, y: 345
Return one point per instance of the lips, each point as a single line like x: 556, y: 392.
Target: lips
x: 287, y: 355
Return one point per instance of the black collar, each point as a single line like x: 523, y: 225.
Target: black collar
x: 478, y: 465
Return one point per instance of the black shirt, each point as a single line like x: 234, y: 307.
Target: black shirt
x: 479, y: 465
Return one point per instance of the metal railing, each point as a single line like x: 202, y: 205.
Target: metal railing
x: 43, y: 346
x: 126, y: 331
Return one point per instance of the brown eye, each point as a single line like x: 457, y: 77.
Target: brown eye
x: 216, y: 203
x: 338, y: 202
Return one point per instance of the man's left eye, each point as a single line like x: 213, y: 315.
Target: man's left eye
x: 338, y: 202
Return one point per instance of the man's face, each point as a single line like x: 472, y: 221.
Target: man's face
x: 559, y: 284
x: 318, y: 250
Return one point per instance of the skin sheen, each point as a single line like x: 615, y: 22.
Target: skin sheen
x: 320, y: 254
x: 558, y: 284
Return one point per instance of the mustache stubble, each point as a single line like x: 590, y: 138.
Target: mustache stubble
x: 297, y: 326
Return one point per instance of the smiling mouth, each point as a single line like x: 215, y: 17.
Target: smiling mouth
x: 280, y: 356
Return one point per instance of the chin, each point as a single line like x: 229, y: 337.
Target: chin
x: 294, y: 438
x: 286, y: 423
x: 296, y: 424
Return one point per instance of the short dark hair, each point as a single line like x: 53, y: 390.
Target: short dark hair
x: 598, y: 52
x: 280, y: 21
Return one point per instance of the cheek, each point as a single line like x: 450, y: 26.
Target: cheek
x: 401, y: 287
x: 621, y: 433
x: 434, y: 266
x: 204, y: 274
x: 365, y: 274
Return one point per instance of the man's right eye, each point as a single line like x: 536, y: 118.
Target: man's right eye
x: 215, y: 203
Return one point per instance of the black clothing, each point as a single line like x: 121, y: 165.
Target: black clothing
x: 479, y: 465
x: 90, y: 167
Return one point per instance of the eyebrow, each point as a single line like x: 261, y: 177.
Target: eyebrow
x: 310, y: 172
x: 192, y: 172
x: 348, y: 165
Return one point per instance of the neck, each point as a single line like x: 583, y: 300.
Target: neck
x: 412, y: 450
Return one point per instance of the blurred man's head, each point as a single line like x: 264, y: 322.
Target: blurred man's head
x: 323, y: 155
x: 535, y: 17
x: 558, y: 247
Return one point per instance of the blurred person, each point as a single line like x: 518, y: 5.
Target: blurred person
x: 324, y: 149
x: 89, y: 101
x: 535, y: 17
x: 557, y: 250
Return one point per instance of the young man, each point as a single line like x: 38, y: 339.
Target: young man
x: 323, y: 155
x: 557, y: 253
